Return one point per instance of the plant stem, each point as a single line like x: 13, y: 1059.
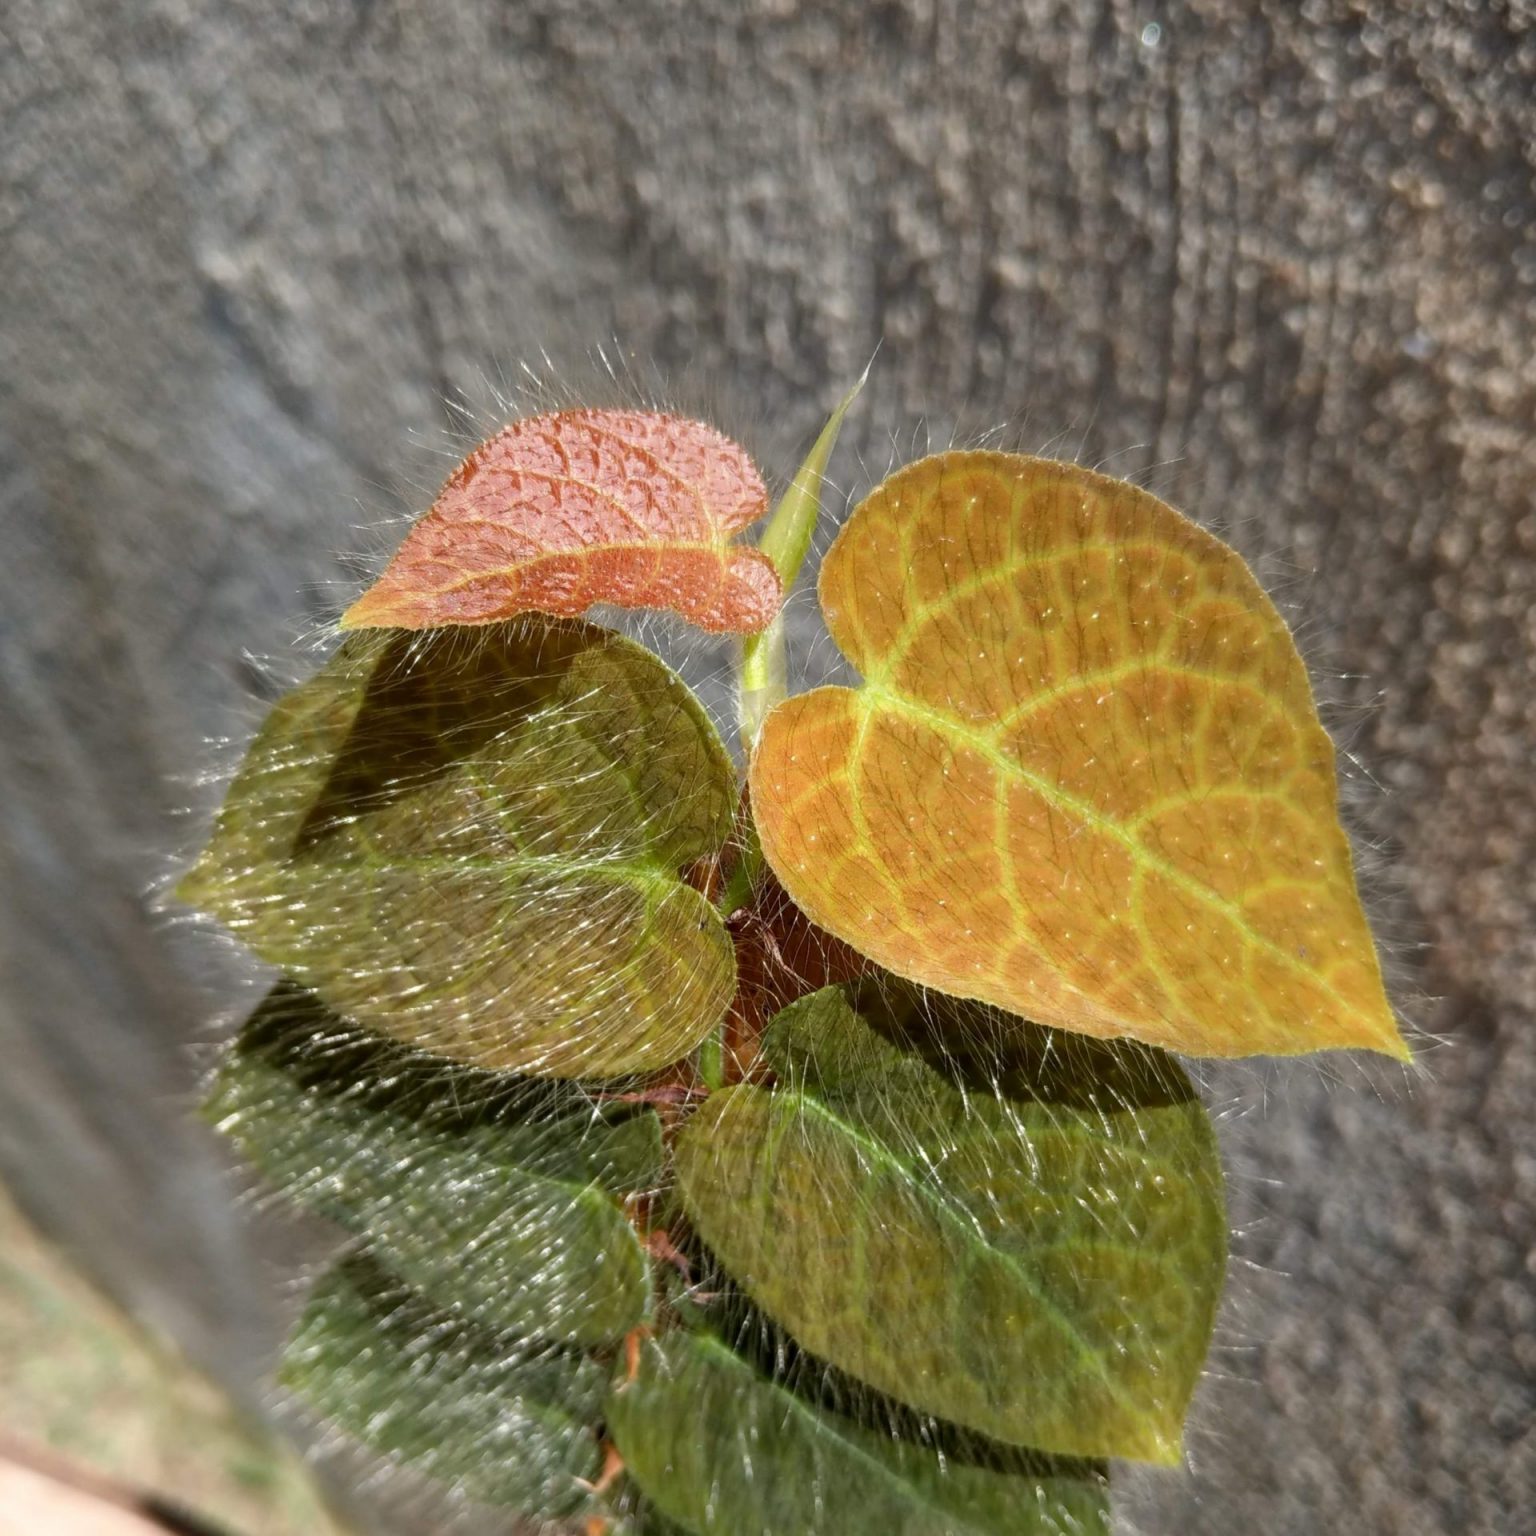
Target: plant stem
x: 763, y: 679
x: 786, y: 541
x: 712, y: 1059
x: 738, y: 888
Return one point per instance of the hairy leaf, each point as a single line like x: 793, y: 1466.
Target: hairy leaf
x: 496, y: 1202
x: 503, y: 1420
x: 557, y: 512
x: 474, y: 845
x: 1083, y: 777
x: 721, y: 1448
x: 645, y: 1521
x: 1019, y: 1230
x: 786, y: 541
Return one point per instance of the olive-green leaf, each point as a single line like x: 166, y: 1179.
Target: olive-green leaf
x: 503, y: 1420
x: 722, y: 1448
x: 497, y: 1202
x: 474, y: 844
x: 1026, y: 1237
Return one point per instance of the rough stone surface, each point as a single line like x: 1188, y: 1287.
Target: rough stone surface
x: 1276, y: 259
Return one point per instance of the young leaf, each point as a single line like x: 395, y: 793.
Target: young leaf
x: 1083, y: 778
x: 1029, y: 1241
x: 786, y: 541
x: 474, y: 846
x: 503, y: 1420
x: 557, y: 512
x: 720, y: 1448
x: 501, y: 1204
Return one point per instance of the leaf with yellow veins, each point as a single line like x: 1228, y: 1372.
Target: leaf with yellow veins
x: 1083, y: 778
x: 558, y: 512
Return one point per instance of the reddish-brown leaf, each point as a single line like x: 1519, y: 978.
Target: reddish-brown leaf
x: 558, y: 512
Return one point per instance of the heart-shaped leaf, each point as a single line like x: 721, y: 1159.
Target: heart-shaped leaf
x: 723, y: 1449
x: 1083, y: 777
x: 557, y: 512
x: 495, y: 1199
x: 1027, y: 1238
x: 474, y: 845
x: 504, y: 1420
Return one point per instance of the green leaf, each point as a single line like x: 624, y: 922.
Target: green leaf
x: 1023, y: 1235
x: 474, y: 844
x: 498, y: 1202
x: 505, y: 1421
x: 722, y: 1448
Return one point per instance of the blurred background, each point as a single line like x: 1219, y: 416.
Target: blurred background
x: 1276, y: 260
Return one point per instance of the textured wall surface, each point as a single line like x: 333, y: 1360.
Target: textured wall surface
x: 1277, y: 258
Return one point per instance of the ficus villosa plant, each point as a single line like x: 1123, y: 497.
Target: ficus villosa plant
x: 807, y: 1157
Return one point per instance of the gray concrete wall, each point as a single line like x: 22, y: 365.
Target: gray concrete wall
x: 1279, y: 259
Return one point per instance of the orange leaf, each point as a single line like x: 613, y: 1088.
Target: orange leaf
x: 1083, y: 779
x: 557, y: 512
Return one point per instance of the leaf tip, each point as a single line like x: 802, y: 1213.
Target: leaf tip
x: 1391, y: 1042
x: 370, y: 611
x: 1370, y: 1025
